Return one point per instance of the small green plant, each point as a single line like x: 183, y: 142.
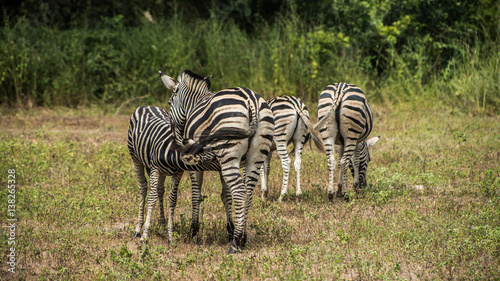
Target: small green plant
x: 344, y: 238
x: 490, y: 183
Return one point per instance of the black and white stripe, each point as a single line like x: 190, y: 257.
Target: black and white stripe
x: 362, y: 158
x: 150, y: 143
x: 291, y: 125
x: 234, y: 124
x: 345, y: 119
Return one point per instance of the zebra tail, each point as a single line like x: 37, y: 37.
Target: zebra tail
x: 314, y: 134
x: 232, y: 133
x: 193, y: 151
x: 322, y: 122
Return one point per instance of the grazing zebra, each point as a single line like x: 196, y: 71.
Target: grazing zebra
x: 345, y: 119
x: 150, y: 143
x: 291, y: 124
x: 234, y: 124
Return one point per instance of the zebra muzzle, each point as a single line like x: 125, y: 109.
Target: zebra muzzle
x: 189, y: 159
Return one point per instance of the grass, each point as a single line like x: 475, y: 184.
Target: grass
x: 431, y: 210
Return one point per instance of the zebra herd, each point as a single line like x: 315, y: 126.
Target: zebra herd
x: 235, y: 129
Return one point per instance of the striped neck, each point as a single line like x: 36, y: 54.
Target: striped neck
x: 192, y: 89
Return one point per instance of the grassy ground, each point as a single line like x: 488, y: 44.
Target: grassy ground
x: 431, y: 210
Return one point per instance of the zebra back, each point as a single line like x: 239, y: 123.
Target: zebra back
x: 151, y: 141
x: 284, y: 107
x: 146, y: 124
x: 212, y: 116
x: 350, y: 99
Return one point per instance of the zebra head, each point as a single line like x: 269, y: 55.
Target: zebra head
x: 364, y: 159
x: 187, y: 91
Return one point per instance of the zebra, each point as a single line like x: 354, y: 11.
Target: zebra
x: 345, y: 120
x: 150, y: 143
x: 291, y: 124
x: 233, y: 124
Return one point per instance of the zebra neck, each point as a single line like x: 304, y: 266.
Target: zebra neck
x: 199, y: 99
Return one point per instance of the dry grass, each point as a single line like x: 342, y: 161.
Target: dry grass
x: 431, y: 210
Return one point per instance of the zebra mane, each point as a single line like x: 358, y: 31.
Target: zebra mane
x: 176, y: 144
x: 190, y: 78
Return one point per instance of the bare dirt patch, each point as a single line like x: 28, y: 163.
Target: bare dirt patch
x: 44, y: 124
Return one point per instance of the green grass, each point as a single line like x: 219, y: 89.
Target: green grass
x: 431, y: 210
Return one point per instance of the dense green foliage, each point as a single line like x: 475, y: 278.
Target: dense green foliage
x: 80, y: 53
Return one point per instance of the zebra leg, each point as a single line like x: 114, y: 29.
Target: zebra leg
x: 172, y: 202
x: 225, y: 196
x: 161, y: 192
x: 196, y: 183
x: 340, y: 185
x: 251, y: 178
x: 231, y: 173
x: 258, y: 151
x: 299, y: 146
x: 355, y: 166
x: 264, y: 175
x: 285, y: 163
x: 349, y: 150
x: 143, y: 189
x: 330, y: 157
x: 154, y: 179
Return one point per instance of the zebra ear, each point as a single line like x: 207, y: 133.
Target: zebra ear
x: 169, y: 81
x: 372, y: 141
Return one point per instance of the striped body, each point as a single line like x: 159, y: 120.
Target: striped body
x: 235, y: 125
x: 150, y: 144
x: 291, y: 125
x: 345, y: 119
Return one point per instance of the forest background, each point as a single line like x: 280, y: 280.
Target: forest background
x: 424, y: 53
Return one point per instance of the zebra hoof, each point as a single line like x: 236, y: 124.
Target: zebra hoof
x: 143, y: 242
x: 356, y: 185
x: 237, y: 242
x: 233, y: 249
x: 330, y: 197
x: 189, y: 159
x: 244, y: 240
x: 264, y: 196
x: 137, y: 234
x: 195, y: 227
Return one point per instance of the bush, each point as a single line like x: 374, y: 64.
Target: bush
x: 411, y: 51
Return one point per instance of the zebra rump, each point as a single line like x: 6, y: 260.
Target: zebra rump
x: 291, y: 125
x: 195, y: 152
